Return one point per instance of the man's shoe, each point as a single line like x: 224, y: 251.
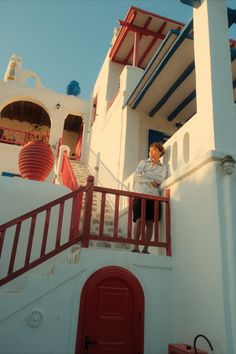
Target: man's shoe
x: 135, y: 250
x: 145, y: 251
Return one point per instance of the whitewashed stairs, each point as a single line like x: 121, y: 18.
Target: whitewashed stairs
x: 81, y: 174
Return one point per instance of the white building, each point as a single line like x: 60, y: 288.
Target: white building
x: 157, y: 82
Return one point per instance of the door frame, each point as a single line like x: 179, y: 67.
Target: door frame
x: 94, y: 279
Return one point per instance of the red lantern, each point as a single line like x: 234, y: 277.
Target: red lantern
x: 35, y: 160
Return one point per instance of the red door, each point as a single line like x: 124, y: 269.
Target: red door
x: 111, y: 314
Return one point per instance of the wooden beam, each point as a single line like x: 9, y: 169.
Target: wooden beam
x: 143, y: 31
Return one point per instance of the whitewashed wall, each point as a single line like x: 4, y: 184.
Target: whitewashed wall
x: 19, y: 89
x: 202, y: 205
x: 9, y: 158
x: 18, y: 197
x: 110, y: 142
x: 57, y: 300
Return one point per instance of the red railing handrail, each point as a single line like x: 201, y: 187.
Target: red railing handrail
x: 40, y: 209
x: 130, y: 194
x: 67, y: 174
x: 40, y: 260
x: 23, y: 131
x: 73, y: 230
x: 32, y: 134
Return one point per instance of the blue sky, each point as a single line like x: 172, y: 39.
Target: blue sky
x: 64, y: 40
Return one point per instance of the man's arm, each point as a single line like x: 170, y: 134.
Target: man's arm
x: 157, y: 176
x: 138, y: 171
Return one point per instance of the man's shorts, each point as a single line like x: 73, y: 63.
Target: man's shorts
x: 137, y: 207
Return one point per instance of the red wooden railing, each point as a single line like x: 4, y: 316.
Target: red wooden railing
x: 18, y: 237
x: 21, y: 137
x: 67, y: 174
x: 42, y: 219
x: 127, y: 238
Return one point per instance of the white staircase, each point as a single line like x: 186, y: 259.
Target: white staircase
x: 81, y: 173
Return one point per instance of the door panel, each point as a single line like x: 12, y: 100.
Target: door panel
x: 157, y: 136
x: 111, y: 316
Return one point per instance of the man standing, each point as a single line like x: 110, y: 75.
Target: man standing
x: 147, y: 178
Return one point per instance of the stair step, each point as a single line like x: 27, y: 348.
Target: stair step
x: 106, y: 222
x: 82, y: 173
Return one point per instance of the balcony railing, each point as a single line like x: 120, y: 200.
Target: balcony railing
x: 37, y: 236
x: 21, y: 137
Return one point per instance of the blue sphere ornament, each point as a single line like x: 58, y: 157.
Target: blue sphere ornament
x: 73, y: 88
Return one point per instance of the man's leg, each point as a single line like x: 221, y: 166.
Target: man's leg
x: 137, y: 232
x: 148, y: 234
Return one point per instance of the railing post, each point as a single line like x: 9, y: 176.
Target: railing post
x: 88, y: 211
x: 76, y: 215
x: 168, y: 237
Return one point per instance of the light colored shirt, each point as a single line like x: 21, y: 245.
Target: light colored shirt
x: 145, y: 173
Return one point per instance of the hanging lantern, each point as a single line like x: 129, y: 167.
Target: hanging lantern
x: 35, y: 160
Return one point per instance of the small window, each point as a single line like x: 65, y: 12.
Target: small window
x: 94, y: 109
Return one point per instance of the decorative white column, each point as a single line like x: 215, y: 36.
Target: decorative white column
x: 215, y: 104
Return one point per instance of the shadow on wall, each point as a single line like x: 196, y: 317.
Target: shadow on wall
x: 177, y: 154
x: 102, y: 173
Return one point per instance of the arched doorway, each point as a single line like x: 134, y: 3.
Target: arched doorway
x: 111, y: 317
x: 23, y: 121
x: 72, y: 135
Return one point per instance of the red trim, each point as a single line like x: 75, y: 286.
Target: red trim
x: 117, y: 61
x: 120, y: 38
x: 92, y: 282
x: 156, y: 217
x: 67, y: 174
x: 132, y: 49
x: 44, y: 207
x: 143, y: 217
x: 88, y: 211
x: 21, y: 137
x: 2, y: 236
x: 76, y: 215
x: 137, y: 37
x: 102, y: 214
x: 141, y: 30
x: 30, y: 240
x: 159, y: 33
x: 130, y: 17
x: 39, y: 261
x: 45, y: 232
x: 168, y: 238
x: 232, y: 43
x: 116, y: 218
x: 78, y: 148
x: 59, y: 225
x: 155, y: 15
x: 14, y: 248
x: 130, y: 214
